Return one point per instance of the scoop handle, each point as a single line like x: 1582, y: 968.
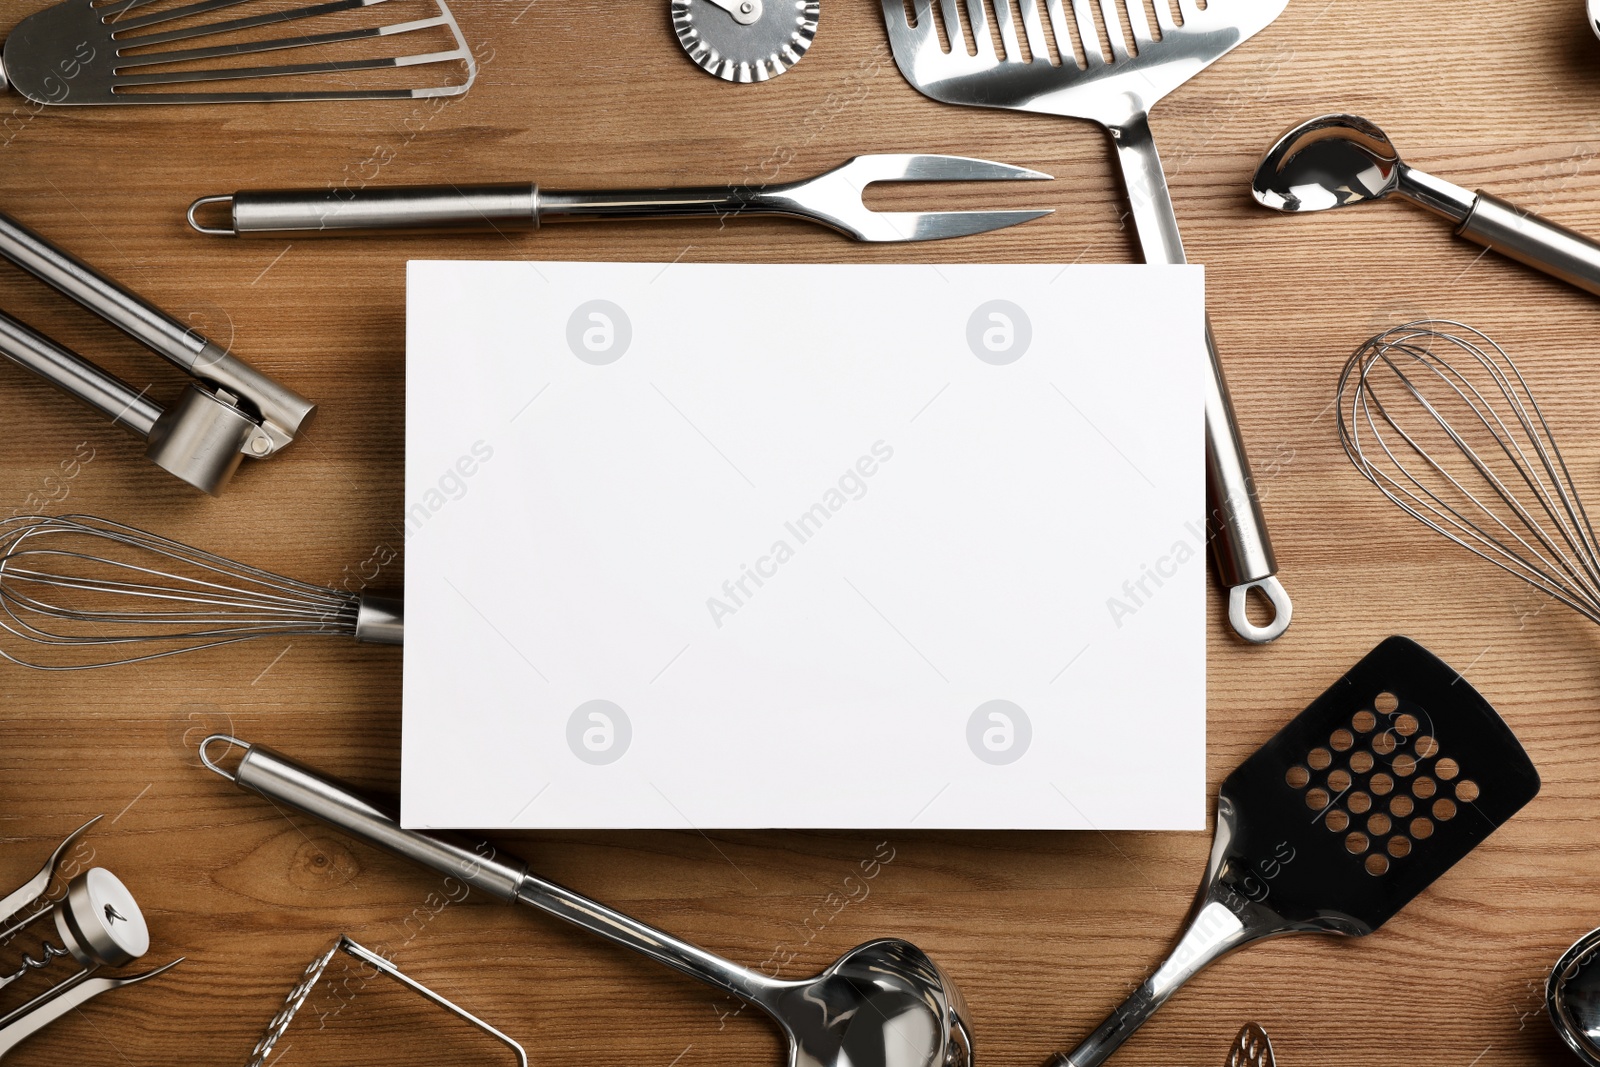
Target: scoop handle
x: 1539, y: 243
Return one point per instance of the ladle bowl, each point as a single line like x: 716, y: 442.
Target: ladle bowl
x: 1331, y: 161
x: 882, y: 1004
x: 1572, y: 997
x: 1334, y: 161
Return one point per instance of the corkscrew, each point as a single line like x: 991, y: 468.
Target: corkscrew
x: 98, y: 926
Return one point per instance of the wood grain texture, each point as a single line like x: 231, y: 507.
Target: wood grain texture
x: 1043, y: 931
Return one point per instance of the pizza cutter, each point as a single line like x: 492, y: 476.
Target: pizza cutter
x: 745, y: 40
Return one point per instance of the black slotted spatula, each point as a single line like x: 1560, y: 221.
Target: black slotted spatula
x: 1396, y: 772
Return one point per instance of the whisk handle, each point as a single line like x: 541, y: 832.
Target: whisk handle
x: 380, y: 620
x: 1536, y: 242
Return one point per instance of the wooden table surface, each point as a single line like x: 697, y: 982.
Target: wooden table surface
x: 1043, y: 931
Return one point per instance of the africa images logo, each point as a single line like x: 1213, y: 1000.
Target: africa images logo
x: 599, y: 332
x: 999, y: 332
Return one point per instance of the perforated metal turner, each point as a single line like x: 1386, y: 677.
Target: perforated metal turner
x: 1146, y: 64
x: 831, y: 199
x: 170, y: 51
x: 1390, y: 777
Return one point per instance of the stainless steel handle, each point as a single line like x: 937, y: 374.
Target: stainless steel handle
x: 284, y: 781
x: 140, y: 320
x: 1214, y: 930
x: 1237, y: 530
x: 283, y: 411
x: 72, y: 373
x: 55, y: 1005
x: 1534, y: 241
x: 380, y: 620
x: 465, y: 208
x: 434, y: 208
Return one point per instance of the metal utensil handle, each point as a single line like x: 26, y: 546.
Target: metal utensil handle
x: 282, y: 780
x: 466, y: 208
x: 140, y: 320
x: 339, y: 211
x: 73, y: 374
x: 1240, y: 545
x: 53, y: 1004
x: 283, y: 410
x: 1534, y: 241
x: 1213, y: 931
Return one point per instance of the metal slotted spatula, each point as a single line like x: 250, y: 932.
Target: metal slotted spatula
x: 1064, y: 71
x: 206, y: 52
x: 1379, y: 787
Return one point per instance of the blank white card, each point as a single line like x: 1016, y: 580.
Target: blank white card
x: 722, y: 546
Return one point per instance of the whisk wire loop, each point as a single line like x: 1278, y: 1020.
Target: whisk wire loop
x: 1464, y: 448
x: 77, y: 581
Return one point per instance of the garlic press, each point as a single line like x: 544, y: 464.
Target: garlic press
x: 230, y: 410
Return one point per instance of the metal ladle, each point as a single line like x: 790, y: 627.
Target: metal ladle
x: 1572, y: 996
x: 1336, y: 160
x: 882, y: 1004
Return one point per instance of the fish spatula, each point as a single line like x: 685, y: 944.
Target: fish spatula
x: 203, y: 52
x: 1390, y: 777
x: 1065, y: 71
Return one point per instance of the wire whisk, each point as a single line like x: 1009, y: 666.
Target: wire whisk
x: 1440, y: 419
x: 78, y: 584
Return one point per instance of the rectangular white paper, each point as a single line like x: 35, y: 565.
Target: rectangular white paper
x: 804, y: 546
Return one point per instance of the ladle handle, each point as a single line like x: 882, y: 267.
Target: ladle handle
x: 1527, y: 238
x: 283, y: 781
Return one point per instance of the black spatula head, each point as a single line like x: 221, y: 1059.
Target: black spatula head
x: 1396, y: 772
x: 1355, y: 807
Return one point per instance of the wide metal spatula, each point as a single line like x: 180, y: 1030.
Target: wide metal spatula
x: 1395, y: 773
x: 204, y: 52
x: 1065, y: 71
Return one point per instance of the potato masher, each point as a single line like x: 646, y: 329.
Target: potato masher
x: 882, y: 1004
x: 98, y: 925
x: 315, y: 971
x: 230, y: 411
